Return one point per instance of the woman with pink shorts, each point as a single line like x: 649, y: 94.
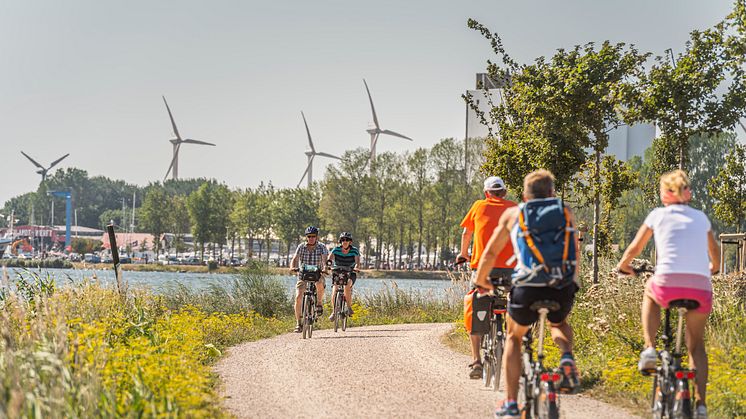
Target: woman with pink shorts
x: 687, y: 255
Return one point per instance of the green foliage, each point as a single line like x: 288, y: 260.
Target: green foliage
x: 155, y: 214
x: 209, y: 207
x: 728, y: 189
x: 83, y: 246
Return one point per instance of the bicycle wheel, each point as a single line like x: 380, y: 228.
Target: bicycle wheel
x: 343, y: 310
x: 524, y: 398
x: 497, y: 352
x: 682, y: 405
x: 337, y: 311
x: 304, y: 316
x: 658, y: 402
x: 546, y: 403
x: 487, y: 367
x: 311, y: 310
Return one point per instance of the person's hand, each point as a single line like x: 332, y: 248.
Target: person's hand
x: 713, y: 269
x: 460, y: 259
x: 625, y: 269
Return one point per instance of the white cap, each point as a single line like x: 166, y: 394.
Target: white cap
x: 494, y: 183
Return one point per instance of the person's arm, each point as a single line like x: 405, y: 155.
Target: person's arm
x: 331, y: 257
x: 465, y: 241
x: 497, y: 242
x: 324, y: 255
x: 294, y: 260
x: 357, y: 262
x: 635, y: 248
x: 714, y: 250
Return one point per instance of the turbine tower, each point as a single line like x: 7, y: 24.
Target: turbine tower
x: 177, y: 141
x: 376, y: 130
x: 43, y: 170
x: 311, y: 154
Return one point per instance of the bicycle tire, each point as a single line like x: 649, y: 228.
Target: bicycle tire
x: 682, y: 407
x: 484, y: 347
x: 497, y: 353
x: 304, y: 317
x: 658, y: 405
x: 524, y: 401
x: 311, y: 310
x: 344, y: 310
x: 337, y: 310
x: 545, y: 407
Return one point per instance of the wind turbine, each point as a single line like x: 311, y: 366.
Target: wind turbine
x: 376, y: 130
x: 177, y: 141
x: 311, y: 154
x: 43, y: 170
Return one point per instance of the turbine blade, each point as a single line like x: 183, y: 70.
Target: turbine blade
x: 395, y: 134
x: 176, y: 156
x: 310, y: 162
x: 310, y: 142
x: 54, y: 163
x: 191, y: 141
x: 328, y: 155
x: 173, y: 124
x: 743, y: 127
x: 33, y: 161
x: 372, y: 108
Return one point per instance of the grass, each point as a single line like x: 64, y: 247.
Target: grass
x: 608, y: 340
x: 84, y: 350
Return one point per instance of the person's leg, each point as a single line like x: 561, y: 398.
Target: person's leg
x: 512, y: 358
x: 651, y: 316
x: 476, y: 345
x: 299, y: 290
x: 348, y: 297
x: 334, y: 302
x: 562, y: 335
x: 320, y: 295
x: 695, y: 342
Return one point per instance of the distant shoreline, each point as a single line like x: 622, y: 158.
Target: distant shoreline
x: 369, y: 273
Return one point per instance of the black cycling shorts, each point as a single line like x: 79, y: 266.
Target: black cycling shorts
x: 521, y: 299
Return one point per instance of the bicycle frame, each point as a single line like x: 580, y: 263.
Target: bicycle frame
x: 493, y: 342
x: 308, y: 315
x: 339, y: 281
x: 539, y: 394
x: 671, y: 391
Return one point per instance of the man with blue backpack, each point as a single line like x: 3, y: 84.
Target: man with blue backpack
x: 544, y: 239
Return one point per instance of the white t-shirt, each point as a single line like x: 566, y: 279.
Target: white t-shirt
x: 681, y: 244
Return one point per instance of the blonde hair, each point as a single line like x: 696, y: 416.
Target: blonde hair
x: 676, y: 181
x: 538, y: 184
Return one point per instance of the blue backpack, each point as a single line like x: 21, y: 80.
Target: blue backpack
x: 545, y: 245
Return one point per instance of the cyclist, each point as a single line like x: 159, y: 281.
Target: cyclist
x: 479, y: 223
x: 533, y: 279
x: 345, y: 255
x: 683, y: 241
x: 309, y: 253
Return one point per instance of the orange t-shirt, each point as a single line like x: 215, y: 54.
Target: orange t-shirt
x: 482, y: 219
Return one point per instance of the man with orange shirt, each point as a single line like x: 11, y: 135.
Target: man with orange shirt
x: 479, y: 223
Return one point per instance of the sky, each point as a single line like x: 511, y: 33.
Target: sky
x: 85, y: 77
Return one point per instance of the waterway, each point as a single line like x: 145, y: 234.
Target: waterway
x: 162, y: 282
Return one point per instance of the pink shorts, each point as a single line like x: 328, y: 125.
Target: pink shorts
x: 663, y: 295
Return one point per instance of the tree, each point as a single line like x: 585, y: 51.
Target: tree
x: 729, y: 189
x: 155, y: 214
x: 418, y: 167
x: 209, y: 208
x: 295, y: 209
x: 685, y: 96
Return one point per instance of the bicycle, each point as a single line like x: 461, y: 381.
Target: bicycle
x: 537, y: 395
x: 310, y: 274
x: 671, y: 398
x: 340, y: 276
x: 493, y: 343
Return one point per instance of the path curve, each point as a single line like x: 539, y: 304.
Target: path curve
x: 375, y: 371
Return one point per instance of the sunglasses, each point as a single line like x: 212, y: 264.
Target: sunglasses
x: 311, y: 237
x: 346, y: 240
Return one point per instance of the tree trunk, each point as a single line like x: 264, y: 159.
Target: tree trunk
x: 596, y: 213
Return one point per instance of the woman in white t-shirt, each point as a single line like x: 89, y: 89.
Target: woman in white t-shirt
x: 687, y: 254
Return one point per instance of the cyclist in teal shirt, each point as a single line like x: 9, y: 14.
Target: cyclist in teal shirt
x: 345, y: 255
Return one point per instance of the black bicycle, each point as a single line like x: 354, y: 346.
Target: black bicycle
x: 537, y: 395
x: 671, y: 398
x: 340, y: 276
x: 310, y: 274
x: 493, y: 343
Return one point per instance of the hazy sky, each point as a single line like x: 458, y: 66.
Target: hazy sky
x: 85, y: 77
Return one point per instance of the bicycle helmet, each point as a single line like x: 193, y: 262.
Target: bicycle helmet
x: 312, y: 230
x: 345, y: 235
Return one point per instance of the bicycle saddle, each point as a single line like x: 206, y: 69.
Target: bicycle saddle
x: 687, y: 304
x: 548, y: 304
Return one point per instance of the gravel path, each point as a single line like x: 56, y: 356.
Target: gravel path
x: 376, y: 371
